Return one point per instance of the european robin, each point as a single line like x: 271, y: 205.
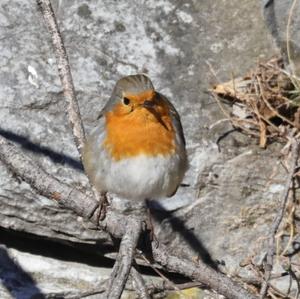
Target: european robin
x: 137, y: 150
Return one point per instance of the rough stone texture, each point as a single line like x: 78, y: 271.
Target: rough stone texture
x: 51, y: 274
x: 182, y: 45
x: 276, y: 13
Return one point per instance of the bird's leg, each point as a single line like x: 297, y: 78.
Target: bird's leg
x: 99, y: 210
x: 150, y: 226
x: 103, y: 203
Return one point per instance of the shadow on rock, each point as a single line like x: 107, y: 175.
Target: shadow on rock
x: 18, y: 283
x: 178, y: 225
x: 55, y: 156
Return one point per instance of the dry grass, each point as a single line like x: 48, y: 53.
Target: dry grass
x: 265, y: 101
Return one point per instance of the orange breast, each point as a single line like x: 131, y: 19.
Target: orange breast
x: 137, y: 133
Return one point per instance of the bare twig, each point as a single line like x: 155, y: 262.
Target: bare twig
x: 65, y: 195
x: 159, y: 273
x: 64, y: 73
x: 139, y: 284
x: 295, y: 278
x: 144, y: 290
x: 72, y: 295
x: 167, y: 284
x: 46, y: 185
x: 288, y: 37
x: 291, y: 223
x: 200, y: 272
x: 125, y: 257
x: 278, y: 219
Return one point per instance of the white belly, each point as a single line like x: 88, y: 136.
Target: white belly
x: 138, y: 178
x: 143, y: 177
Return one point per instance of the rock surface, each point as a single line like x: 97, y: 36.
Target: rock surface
x: 184, y: 46
x: 278, y: 14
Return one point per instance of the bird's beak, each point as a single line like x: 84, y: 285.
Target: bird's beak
x: 148, y: 104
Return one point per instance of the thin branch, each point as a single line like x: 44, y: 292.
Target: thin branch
x: 139, y: 284
x: 125, y: 258
x: 200, y: 272
x: 288, y: 36
x: 40, y: 180
x: 48, y: 186
x: 64, y: 73
x: 144, y: 290
x: 293, y: 276
x: 77, y: 295
x: 278, y: 219
x: 68, y: 88
x: 159, y: 273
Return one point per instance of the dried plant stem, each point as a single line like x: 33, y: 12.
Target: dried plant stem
x: 288, y: 39
x: 278, y: 219
x: 236, y: 122
x: 270, y: 106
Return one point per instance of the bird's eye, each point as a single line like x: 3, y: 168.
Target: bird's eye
x: 126, y: 101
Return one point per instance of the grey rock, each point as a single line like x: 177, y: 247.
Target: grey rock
x: 53, y: 276
x: 277, y: 14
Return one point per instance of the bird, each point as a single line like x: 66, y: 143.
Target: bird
x: 137, y: 148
